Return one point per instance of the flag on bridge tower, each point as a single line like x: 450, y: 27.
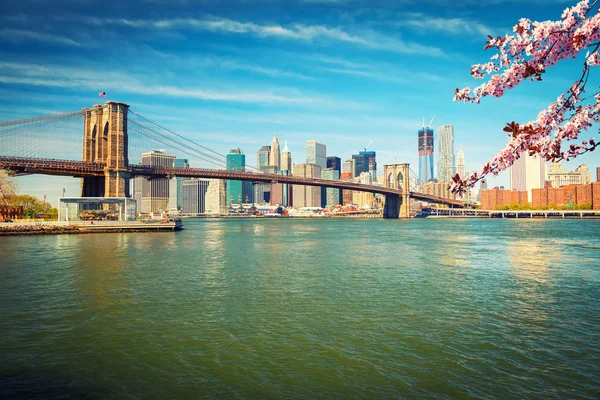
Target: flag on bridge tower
x: 102, y: 94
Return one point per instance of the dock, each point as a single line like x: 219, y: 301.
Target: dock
x: 523, y: 214
x: 80, y: 227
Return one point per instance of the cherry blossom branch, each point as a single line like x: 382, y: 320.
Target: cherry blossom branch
x: 527, y: 55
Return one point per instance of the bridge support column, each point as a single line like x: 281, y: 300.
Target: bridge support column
x: 396, y: 176
x: 391, y: 207
x: 105, y: 142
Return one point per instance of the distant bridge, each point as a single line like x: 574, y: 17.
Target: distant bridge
x: 106, y: 169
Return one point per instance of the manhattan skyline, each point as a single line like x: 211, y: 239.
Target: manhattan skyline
x: 230, y: 74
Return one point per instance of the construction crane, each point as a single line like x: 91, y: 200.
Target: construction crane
x: 370, y: 143
x: 429, y: 124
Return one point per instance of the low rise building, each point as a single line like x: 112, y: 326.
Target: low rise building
x: 495, y: 198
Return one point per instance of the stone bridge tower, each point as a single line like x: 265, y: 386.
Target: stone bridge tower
x: 396, y: 177
x: 105, y: 142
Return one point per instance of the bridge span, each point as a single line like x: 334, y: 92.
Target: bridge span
x: 106, y: 169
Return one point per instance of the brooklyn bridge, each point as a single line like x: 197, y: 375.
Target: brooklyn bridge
x: 108, y: 155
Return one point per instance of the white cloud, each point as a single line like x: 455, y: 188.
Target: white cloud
x: 20, y: 35
x: 36, y: 75
x: 420, y: 21
x: 299, y: 32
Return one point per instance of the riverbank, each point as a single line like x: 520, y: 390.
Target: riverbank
x: 59, y: 228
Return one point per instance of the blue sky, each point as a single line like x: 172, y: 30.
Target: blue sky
x: 231, y: 73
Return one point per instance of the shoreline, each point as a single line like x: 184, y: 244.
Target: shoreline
x: 62, y: 228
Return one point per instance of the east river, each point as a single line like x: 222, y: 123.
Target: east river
x: 311, y: 309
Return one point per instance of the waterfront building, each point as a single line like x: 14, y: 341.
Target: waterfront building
x: 194, y: 196
x: 263, y: 156
x: 461, y: 167
x: 286, y: 159
x: 215, y: 202
x: 236, y: 191
x: 495, y: 198
x: 527, y: 173
x: 598, y: 174
x: 569, y: 195
x: 557, y: 176
x: 332, y: 194
x: 275, y: 155
x: 446, y: 165
x: 425, y: 147
x: 306, y: 196
x: 316, y: 153
x: 155, y: 192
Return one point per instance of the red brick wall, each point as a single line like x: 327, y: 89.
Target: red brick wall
x: 536, y: 198
x: 506, y: 197
x: 485, y: 199
x: 596, y: 195
x: 584, y: 194
x: 570, y: 192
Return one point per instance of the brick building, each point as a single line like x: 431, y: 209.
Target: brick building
x: 490, y: 199
x: 575, y: 195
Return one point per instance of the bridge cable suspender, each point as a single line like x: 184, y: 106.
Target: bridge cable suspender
x: 37, y: 119
x: 186, y: 139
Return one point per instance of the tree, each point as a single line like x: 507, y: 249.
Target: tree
x: 535, y: 47
x: 8, y: 187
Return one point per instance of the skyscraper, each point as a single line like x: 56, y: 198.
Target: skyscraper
x: 360, y: 163
x: 527, y: 173
x: 215, y: 197
x: 348, y: 166
x: 307, y: 196
x: 461, y: 167
x: 155, y: 192
x: 236, y: 161
x: 336, y: 164
x: 194, y: 195
x: 316, y: 153
x: 332, y: 194
x: 446, y: 166
x: 263, y: 157
x: 275, y: 156
x: 425, y: 154
x: 175, y: 185
x: 371, y: 163
x: 286, y: 159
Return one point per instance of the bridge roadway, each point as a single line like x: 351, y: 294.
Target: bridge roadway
x: 80, y: 169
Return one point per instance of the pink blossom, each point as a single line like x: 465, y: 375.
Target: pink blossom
x: 528, y: 54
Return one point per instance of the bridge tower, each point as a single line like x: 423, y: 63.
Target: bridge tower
x: 105, y: 142
x: 396, y: 177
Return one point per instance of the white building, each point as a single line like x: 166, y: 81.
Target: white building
x: 316, y: 153
x: 446, y: 165
x: 286, y: 159
x: 527, y: 173
x: 561, y: 177
x: 215, y: 202
x: 306, y: 196
x: 461, y: 167
x: 275, y: 156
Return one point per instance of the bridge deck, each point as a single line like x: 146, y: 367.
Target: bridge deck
x: 79, y: 169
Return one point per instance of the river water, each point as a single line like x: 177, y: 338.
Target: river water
x: 311, y: 309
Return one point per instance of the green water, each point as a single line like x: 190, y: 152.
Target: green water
x: 268, y: 309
